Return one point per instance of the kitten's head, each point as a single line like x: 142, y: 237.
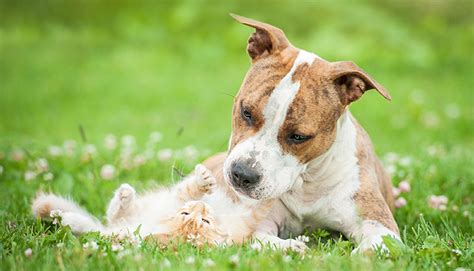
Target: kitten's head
x: 196, y: 223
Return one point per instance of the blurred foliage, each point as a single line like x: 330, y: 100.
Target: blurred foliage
x: 131, y: 66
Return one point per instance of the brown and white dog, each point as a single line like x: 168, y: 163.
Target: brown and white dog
x: 294, y: 139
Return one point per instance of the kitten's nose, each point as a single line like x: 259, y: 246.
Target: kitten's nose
x: 244, y: 176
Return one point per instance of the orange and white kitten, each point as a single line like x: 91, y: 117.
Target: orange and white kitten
x: 195, y: 210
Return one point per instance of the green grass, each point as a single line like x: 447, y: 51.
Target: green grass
x: 173, y: 68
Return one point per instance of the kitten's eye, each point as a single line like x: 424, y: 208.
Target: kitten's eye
x: 297, y: 138
x: 246, y: 115
x: 184, y: 213
x: 206, y: 221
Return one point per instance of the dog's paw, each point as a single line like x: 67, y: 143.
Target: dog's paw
x: 126, y: 194
x: 369, y: 245
x: 205, y: 179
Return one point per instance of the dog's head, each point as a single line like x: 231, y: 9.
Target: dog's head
x: 286, y: 112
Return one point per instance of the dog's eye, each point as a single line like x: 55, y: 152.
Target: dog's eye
x: 206, y: 221
x: 184, y: 213
x: 246, y: 115
x: 297, y: 138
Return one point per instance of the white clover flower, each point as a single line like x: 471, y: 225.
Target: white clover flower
x: 107, y: 172
x: 400, y: 202
x: 438, y: 202
x: 234, y: 259
x: 405, y: 161
x: 30, y: 175
x: 28, y: 252
x: 404, y: 186
x: 391, y: 169
x: 110, y: 142
x: 287, y: 258
x: 42, y: 165
x: 156, y: 137
x: 190, y: 152
x: 432, y: 150
x: 17, y: 155
x: 90, y: 245
x: 139, y: 160
x: 123, y: 253
x: 55, y: 151
x: 149, y: 154
x: 165, y: 263
x: 1, y: 170
x: 452, y: 111
x: 117, y: 247
x: 56, y: 215
x: 417, y: 97
x: 60, y: 245
x: 165, y: 155
x: 256, y: 246
x: 430, y: 119
x: 128, y: 141
x: 190, y: 260
x: 208, y: 262
x: 69, y: 147
x: 48, y: 176
x: 465, y: 213
x: 303, y: 238
x: 395, y: 191
x: 89, y: 151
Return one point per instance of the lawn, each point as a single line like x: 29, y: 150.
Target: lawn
x: 148, y: 89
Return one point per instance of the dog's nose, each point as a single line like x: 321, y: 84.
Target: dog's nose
x: 243, y: 175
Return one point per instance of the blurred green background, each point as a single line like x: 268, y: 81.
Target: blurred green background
x: 135, y: 67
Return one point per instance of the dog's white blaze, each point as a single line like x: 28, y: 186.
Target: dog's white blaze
x: 279, y: 170
x: 283, y: 95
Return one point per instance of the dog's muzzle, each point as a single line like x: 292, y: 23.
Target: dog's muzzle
x: 244, y: 175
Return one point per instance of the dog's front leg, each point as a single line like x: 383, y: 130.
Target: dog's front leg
x: 375, y: 219
x: 267, y: 234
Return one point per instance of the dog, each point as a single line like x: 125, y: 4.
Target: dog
x: 294, y: 139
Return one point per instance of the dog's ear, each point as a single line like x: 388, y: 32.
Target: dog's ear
x: 351, y: 82
x: 266, y: 39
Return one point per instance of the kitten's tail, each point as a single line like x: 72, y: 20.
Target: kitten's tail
x: 72, y: 214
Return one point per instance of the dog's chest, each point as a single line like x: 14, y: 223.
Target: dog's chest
x: 333, y: 209
x: 323, y: 197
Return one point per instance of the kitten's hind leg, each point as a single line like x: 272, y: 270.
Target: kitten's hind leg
x: 122, y: 205
x: 196, y: 185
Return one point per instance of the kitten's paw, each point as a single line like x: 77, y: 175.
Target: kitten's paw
x: 205, y: 180
x: 295, y: 245
x: 126, y: 193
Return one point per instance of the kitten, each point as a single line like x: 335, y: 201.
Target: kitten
x: 195, y: 210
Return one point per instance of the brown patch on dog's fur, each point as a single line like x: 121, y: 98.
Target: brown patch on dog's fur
x: 314, y: 112
x: 259, y: 83
x: 374, y: 198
